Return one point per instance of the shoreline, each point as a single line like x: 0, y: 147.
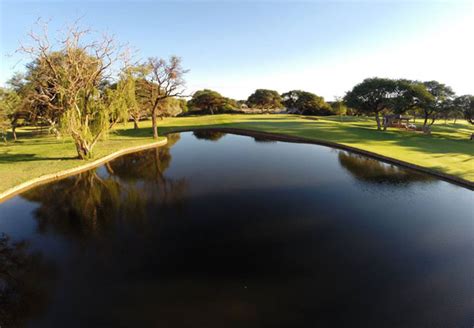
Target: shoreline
x: 24, y: 186
x: 11, y: 192
x: 295, y: 139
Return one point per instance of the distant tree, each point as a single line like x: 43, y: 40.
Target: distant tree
x: 10, y: 102
x: 372, y: 96
x: 170, y: 107
x: 183, y: 105
x: 466, y: 105
x: 338, y: 107
x: 305, y: 103
x: 440, y: 102
x: 230, y: 104
x: 207, y: 101
x: 455, y: 112
x: 161, y: 79
x: 265, y: 99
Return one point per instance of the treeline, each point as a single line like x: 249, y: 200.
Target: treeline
x: 262, y: 100
x: 429, y: 100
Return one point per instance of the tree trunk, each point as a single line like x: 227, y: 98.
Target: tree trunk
x: 377, y: 119
x: 83, y: 152
x: 82, y: 147
x: 153, y: 123
x: 14, y: 132
x: 426, y: 120
x: 135, y: 123
x: 472, y: 136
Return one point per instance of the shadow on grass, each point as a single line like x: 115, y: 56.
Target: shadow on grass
x: 14, y: 158
x: 347, y: 134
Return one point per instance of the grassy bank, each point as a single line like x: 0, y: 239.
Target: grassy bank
x: 33, y: 156
x: 447, y: 150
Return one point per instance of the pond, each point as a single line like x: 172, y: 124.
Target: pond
x: 220, y: 230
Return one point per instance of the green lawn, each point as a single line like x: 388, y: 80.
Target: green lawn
x: 447, y: 150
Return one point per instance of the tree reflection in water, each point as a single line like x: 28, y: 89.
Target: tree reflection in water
x: 373, y: 171
x: 208, y: 135
x: 23, y: 283
x: 89, y: 204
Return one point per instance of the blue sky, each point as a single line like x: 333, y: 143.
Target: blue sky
x: 236, y: 47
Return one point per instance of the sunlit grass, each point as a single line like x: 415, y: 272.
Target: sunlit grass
x: 447, y: 150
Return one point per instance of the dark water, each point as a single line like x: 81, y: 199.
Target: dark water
x: 228, y: 231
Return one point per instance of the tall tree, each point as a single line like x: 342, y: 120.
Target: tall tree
x: 265, y: 99
x: 72, y: 71
x: 372, y: 96
x: 121, y: 97
x: 440, y: 102
x: 161, y: 79
x: 466, y: 105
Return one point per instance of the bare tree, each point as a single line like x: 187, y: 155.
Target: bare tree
x: 68, y: 81
x: 160, y: 80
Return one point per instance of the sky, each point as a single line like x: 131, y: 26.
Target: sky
x: 235, y: 47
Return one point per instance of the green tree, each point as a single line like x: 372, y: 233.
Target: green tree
x: 10, y: 102
x: 466, y: 105
x: 339, y: 107
x: 305, y: 103
x: 265, y: 99
x: 372, y: 96
x: 171, y: 107
x: 438, y: 104
x: 209, y: 101
x: 410, y: 95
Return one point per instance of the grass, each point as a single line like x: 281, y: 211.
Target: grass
x: 447, y: 150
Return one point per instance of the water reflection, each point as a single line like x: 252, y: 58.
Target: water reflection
x: 24, y: 291
x: 373, y: 171
x: 90, y: 204
x: 233, y: 234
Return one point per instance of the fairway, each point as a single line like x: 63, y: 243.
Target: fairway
x: 447, y: 150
